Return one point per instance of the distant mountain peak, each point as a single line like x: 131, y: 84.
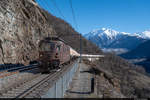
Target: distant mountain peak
x: 109, y: 38
x: 104, y: 30
x: 145, y: 34
x: 113, y: 33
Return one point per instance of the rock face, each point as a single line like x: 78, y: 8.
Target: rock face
x: 23, y: 24
x: 20, y: 30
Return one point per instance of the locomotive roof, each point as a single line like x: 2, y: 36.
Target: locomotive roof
x: 54, y: 38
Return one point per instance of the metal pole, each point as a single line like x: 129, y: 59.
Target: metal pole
x: 92, y: 85
x: 62, y: 86
x: 80, y: 48
x: 56, y: 90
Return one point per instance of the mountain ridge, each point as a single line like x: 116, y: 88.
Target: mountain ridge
x: 140, y: 52
x: 107, y: 38
x: 144, y: 34
x: 140, y: 55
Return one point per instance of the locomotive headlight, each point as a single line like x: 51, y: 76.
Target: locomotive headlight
x: 40, y: 55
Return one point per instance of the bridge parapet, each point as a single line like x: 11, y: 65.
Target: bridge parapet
x: 59, y: 87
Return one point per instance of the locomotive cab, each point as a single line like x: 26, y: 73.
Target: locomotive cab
x: 52, y: 53
x: 49, y: 54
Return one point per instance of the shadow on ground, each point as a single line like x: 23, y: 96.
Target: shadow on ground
x: 91, y: 71
x: 78, y: 92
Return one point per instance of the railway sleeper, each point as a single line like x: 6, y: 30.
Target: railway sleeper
x: 15, y: 83
x: 27, y: 85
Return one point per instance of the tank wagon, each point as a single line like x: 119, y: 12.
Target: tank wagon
x: 53, y: 52
x: 74, y: 53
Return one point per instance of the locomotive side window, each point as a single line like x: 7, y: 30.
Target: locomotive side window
x: 64, y: 48
x: 58, y: 47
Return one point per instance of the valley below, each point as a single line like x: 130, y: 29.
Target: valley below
x: 134, y: 47
x: 141, y: 62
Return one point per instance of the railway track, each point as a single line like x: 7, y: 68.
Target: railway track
x: 11, y: 71
x: 31, y: 88
x: 10, y: 68
x: 13, y: 77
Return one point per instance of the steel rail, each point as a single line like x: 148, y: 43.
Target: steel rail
x: 52, y: 76
x: 13, y: 71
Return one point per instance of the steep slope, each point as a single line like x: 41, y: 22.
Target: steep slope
x: 140, y: 55
x: 126, y: 78
x: 142, y: 51
x: 23, y: 24
x: 111, y: 39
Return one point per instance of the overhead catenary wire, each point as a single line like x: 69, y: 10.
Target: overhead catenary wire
x: 55, y: 4
x: 73, y: 14
x: 46, y: 5
x: 76, y: 25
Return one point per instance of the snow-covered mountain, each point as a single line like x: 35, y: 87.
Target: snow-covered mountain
x: 110, y: 39
x: 145, y: 34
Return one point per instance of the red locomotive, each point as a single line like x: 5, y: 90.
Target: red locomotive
x: 52, y: 52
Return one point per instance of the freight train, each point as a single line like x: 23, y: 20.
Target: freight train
x: 53, y: 52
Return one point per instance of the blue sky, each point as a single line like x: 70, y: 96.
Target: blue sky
x: 121, y: 15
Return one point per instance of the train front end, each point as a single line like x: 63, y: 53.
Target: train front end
x: 49, y: 56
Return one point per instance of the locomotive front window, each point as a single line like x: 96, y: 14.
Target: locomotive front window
x: 52, y: 46
x: 47, y: 47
